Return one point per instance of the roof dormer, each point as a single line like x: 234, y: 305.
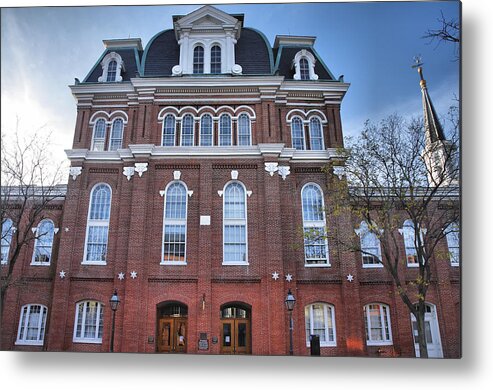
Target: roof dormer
x: 207, y: 39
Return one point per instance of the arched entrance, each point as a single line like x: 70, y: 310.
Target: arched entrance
x: 432, y: 332
x: 172, y: 329
x: 235, y: 329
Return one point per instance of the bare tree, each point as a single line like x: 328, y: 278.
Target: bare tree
x: 448, y: 31
x: 386, y: 183
x: 29, y: 184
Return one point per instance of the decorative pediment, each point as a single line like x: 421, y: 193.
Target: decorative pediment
x: 207, y: 17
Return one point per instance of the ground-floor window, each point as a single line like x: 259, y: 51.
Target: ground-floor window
x: 320, y: 321
x: 32, y: 325
x: 88, y: 322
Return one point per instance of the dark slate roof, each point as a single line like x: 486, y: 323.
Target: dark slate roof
x: 284, y: 61
x: 161, y: 54
x: 129, y: 60
x: 433, y: 127
x: 253, y: 52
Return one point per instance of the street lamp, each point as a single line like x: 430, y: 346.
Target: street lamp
x: 114, y: 301
x: 290, y: 301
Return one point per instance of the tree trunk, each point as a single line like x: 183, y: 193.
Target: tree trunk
x: 423, y: 350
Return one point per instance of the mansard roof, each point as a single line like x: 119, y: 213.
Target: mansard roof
x: 131, y: 57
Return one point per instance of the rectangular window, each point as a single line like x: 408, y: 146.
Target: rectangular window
x: 315, y: 245
x: 32, y: 325
x: 377, y: 324
x: 234, y: 243
x: 174, y: 243
x: 89, y: 322
x: 97, y: 239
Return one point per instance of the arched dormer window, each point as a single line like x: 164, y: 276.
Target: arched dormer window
x: 113, y: 68
x: 304, y: 70
x: 216, y: 59
x: 116, y: 137
x: 244, y: 130
x: 316, y: 135
x: 206, y: 133
x: 298, y: 133
x: 45, y: 232
x: 225, y: 134
x: 198, y: 60
x: 98, y: 222
x: 99, y: 135
x: 187, y: 130
x: 314, y: 226
x: 235, y: 224
x: 175, y: 224
x: 7, y: 233
x: 169, y: 128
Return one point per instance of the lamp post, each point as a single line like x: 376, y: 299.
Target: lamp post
x: 290, y: 301
x: 114, y: 301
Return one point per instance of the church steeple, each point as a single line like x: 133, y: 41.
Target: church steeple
x: 438, y: 152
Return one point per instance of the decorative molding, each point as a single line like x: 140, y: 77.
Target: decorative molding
x: 162, y: 192
x: 190, y: 193
x: 249, y: 193
x: 303, y: 53
x: 120, y: 66
x: 234, y: 175
x: 205, y: 220
x: 128, y: 172
x: 284, y: 171
x: 140, y: 168
x: 176, y: 175
x: 339, y: 171
x: 236, y: 280
x: 75, y: 171
x: 220, y: 193
x: 271, y: 167
x: 56, y: 230
x: 109, y: 171
x: 236, y: 70
x: 34, y: 229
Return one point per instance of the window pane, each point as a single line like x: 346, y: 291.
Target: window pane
x: 97, y: 241
x: 235, y: 243
x: 111, y: 75
x: 44, y: 242
x: 225, y: 130
x: 7, y: 233
x: 206, y: 130
x: 234, y: 201
x: 297, y: 134
x: 174, y: 243
x: 243, y: 130
x: 198, y: 60
x: 304, y: 71
x: 315, y: 134
x: 176, y: 202
x: 99, y: 135
x: 100, y: 203
x: 187, y: 131
x: 116, y: 135
x: 216, y: 59
x: 312, y: 204
x: 169, y: 131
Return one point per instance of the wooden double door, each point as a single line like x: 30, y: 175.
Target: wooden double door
x: 235, y: 336
x: 172, y: 335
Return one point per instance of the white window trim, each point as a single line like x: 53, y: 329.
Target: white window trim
x: 230, y: 129
x: 23, y: 341
x: 111, y: 131
x: 311, y: 64
x: 238, y: 128
x: 82, y: 339
x: 175, y: 222
x: 212, y: 44
x: 315, y: 224
x: 382, y: 318
x: 36, y: 263
x: 236, y: 222
x: 119, y: 67
x: 326, y: 324
x: 181, y: 130
x: 94, y: 132
x: 90, y: 223
x: 359, y: 233
x: 162, y: 129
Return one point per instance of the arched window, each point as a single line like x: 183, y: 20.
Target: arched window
x: 216, y: 59
x: 304, y: 69
x: 244, y: 132
x: 116, y: 139
x: 298, y: 133
x: 44, y: 243
x: 111, y: 75
x: 32, y: 325
x: 370, y: 246
x: 452, y: 232
x: 88, y: 322
x: 320, y: 321
x: 314, y: 228
x: 187, y: 130
x: 408, y: 231
x: 175, y: 224
x: 235, y: 224
x: 316, y: 136
x: 7, y: 233
x: 169, y: 130
x: 377, y: 324
x: 225, y: 130
x: 98, y: 222
x: 206, y: 135
x: 198, y: 60
x: 99, y: 135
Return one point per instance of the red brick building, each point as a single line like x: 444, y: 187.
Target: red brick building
x: 196, y: 165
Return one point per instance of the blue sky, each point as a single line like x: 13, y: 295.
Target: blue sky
x: 372, y: 44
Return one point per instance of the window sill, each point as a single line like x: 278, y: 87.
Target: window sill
x: 88, y: 341
x: 318, y: 265
x: 455, y: 265
x: 173, y: 263
x: 324, y: 345
x: 33, y: 343
x: 41, y: 264
x: 412, y: 265
x: 378, y: 343
x: 372, y: 265
x: 93, y: 263
x: 235, y: 263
